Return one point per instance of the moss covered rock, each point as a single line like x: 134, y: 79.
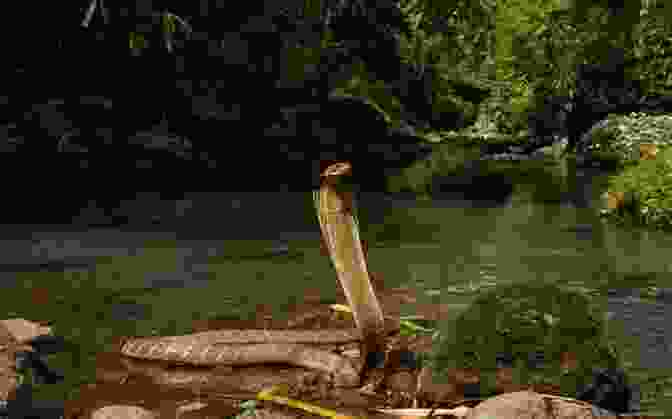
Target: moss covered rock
x: 526, y: 322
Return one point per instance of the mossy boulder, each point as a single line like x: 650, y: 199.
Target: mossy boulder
x: 526, y: 321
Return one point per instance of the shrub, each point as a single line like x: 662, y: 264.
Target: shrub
x: 648, y: 184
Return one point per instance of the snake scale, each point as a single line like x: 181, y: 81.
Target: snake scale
x: 239, y: 347
x: 243, y: 347
x: 215, y: 347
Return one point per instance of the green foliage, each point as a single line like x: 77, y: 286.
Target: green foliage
x: 465, y: 25
x: 137, y: 42
x: 523, y: 318
x: 445, y: 105
x: 547, y: 56
x: 455, y: 39
x: 650, y: 184
x: 623, y: 134
x: 512, y: 106
x: 248, y: 408
x: 517, y: 23
x: 363, y: 84
x: 647, y: 183
x: 299, y: 64
x: 170, y: 23
x: 516, y: 17
x: 653, y: 48
x: 550, y: 41
x: 424, y: 44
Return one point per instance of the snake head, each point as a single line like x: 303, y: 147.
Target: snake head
x: 337, y: 169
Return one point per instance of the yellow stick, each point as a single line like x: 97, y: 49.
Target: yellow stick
x: 339, y: 227
x: 298, y: 404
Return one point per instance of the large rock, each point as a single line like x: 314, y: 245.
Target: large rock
x: 529, y: 405
x: 15, y: 335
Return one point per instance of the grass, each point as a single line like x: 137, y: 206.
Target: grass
x: 247, y: 409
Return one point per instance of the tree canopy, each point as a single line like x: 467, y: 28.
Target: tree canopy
x: 412, y: 57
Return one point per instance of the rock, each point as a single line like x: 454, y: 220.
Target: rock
x: 529, y: 405
x: 122, y: 412
x: 350, y: 397
x: 190, y: 407
x: 23, y: 330
x: 15, y: 337
x: 401, y: 381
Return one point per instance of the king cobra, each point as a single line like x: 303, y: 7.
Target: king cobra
x: 227, y: 347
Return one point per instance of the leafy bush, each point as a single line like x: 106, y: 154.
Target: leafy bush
x: 650, y: 182
x: 362, y: 84
x: 625, y: 133
x: 651, y: 49
x: 521, y: 320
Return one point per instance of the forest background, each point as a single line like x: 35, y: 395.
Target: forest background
x: 438, y: 65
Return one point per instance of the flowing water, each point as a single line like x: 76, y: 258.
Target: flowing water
x: 222, y: 254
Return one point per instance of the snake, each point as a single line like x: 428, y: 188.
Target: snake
x: 236, y: 347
